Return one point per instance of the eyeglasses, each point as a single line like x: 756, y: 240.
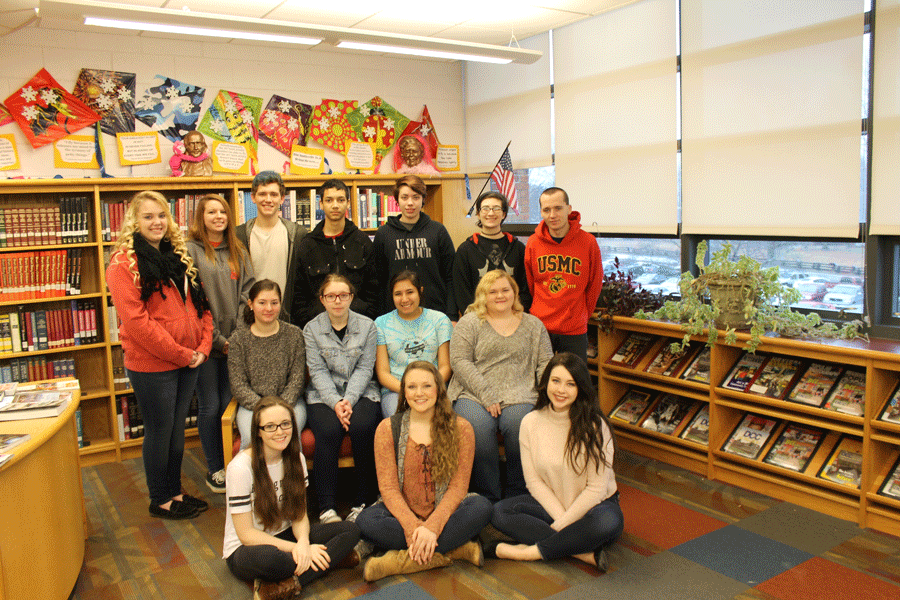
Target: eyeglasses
x: 492, y: 209
x: 335, y: 297
x: 270, y: 427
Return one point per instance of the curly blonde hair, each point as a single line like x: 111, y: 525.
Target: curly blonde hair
x: 479, y: 305
x: 125, y: 244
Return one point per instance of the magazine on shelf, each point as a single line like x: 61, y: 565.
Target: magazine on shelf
x: 632, y: 349
x: 891, y: 412
x: 631, y: 406
x: 749, y: 437
x: 795, y: 447
x: 35, y: 405
x: 8, y: 441
x: 697, y: 430
x: 844, y: 464
x: 776, y: 377
x: 667, y: 413
x: 669, y: 362
x: 698, y: 370
x: 891, y: 485
x: 813, y: 386
x: 745, y: 371
x: 849, y: 393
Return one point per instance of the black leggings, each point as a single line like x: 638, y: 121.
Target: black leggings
x: 268, y: 563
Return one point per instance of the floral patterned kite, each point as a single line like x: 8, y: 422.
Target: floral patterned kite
x: 378, y: 122
x: 170, y: 107
x: 111, y: 95
x: 285, y: 123
x: 46, y: 112
x: 329, y: 126
x: 233, y: 118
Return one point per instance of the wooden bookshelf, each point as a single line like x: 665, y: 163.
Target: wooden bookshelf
x: 880, y: 359
x: 93, y: 362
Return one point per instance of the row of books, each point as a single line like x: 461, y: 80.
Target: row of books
x: 120, y: 377
x: 690, y: 364
x: 375, y: 207
x: 300, y: 206
x: 46, y: 329
x: 131, y: 422
x: 45, y: 223
x: 35, y: 368
x: 111, y: 216
x: 664, y: 413
x: 40, y: 274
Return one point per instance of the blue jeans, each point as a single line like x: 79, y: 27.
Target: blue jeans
x: 486, y: 468
x: 164, y: 399
x: 525, y: 520
x: 214, y: 391
x: 244, y: 419
x: 381, y: 527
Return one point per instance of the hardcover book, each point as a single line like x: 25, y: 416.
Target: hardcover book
x: 795, y: 447
x: 749, y: 437
x: 844, y: 464
x: 745, y: 371
x: 891, y: 412
x: 698, y: 370
x: 631, y: 406
x: 669, y: 362
x: 667, y: 413
x: 632, y: 349
x: 891, y: 485
x: 697, y: 430
x: 776, y: 377
x: 849, y: 393
x: 813, y: 386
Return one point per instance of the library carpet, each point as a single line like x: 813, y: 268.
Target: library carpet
x: 685, y: 537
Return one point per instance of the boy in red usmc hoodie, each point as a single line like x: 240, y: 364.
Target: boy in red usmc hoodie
x: 564, y: 271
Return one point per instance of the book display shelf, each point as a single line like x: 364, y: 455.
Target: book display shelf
x: 817, y: 424
x: 32, y: 242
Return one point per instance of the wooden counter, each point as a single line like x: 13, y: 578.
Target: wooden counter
x: 42, y: 514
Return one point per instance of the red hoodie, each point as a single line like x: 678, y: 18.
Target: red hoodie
x: 565, y: 278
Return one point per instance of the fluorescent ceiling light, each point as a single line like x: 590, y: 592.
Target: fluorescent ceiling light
x: 423, y: 52
x: 204, y: 31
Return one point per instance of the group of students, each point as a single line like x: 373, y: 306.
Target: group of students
x: 212, y: 313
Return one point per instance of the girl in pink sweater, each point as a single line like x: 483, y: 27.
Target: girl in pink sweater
x: 572, y: 505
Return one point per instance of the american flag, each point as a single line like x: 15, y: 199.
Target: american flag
x: 503, y: 178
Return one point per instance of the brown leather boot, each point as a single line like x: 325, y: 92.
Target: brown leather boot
x: 286, y: 589
x: 469, y: 552
x: 397, y: 562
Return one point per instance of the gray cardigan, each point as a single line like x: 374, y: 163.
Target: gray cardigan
x: 489, y: 368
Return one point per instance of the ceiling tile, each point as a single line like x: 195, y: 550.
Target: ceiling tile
x: 241, y: 8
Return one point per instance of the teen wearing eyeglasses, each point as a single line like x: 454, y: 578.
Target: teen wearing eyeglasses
x: 343, y: 397
x: 487, y: 250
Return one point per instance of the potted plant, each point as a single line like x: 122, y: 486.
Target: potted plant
x: 731, y: 295
x: 622, y: 296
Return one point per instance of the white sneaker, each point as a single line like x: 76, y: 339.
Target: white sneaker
x: 216, y: 481
x: 354, y: 512
x: 329, y: 516
x: 364, y: 548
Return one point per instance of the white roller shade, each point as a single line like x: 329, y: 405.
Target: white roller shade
x: 772, y: 107
x: 885, y: 215
x: 615, y: 106
x: 509, y: 102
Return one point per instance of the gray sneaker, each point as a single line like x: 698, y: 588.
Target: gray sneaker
x: 354, y: 512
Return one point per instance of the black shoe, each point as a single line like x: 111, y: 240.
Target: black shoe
x: 200, y: 505
x: 490, y: 548
x: 602, y: 560
x: 176, y: 511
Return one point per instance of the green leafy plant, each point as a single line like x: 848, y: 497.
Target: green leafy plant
x: 740, y: 294
x: 621, y: 296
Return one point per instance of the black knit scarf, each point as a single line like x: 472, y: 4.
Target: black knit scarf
x: 161, y: 268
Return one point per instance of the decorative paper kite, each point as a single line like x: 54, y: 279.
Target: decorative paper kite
x: 329, y: 125
x: 284, y: 123
x: 170, y: 107
x: 378, y: 122
x: 111, y: 95
x: 233, y: 118
x: 46, y: 112
x: 425, y: 129
x: 5, y: 117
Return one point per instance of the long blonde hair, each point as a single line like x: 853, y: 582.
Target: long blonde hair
x: 479, y: 305
x: 237, y: 254
x: 125, y: 244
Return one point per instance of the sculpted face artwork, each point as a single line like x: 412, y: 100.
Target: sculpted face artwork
x: 194, y: 144
x: 411, y: 151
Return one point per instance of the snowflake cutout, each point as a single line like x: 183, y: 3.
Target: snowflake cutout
x: 389, y: 124
x: 335, y: 112
x: 365, y: 110
x: 30, y: 112
x: 187, y: 107
x: 108, y: 85
x: 293, y: 124
x: 124, y: 94
x: 146, y: 103
x: 270, y: 117
x: 424, y: 130
x: 49, y: 96
x: 105, y: 102
x: 369, y: 132
x: 284, y: 106
x: 220, y: 127
x: 324, y: 124
x: 230, y: 106
x: 29, y: 94
x: 172, y: 93
x: 247, y: 117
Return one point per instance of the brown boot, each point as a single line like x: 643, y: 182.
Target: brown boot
x: 350, y: 561
x: 469, y: 552
x: 286, y: 589
x: 397, y: 562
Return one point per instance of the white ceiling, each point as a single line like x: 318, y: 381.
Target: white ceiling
x: 487, y: 22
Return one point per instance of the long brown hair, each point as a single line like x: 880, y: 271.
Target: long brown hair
x: 265, y: 502
x: 237, y: 254
x: 586, y: 420
x: 444, y: 428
